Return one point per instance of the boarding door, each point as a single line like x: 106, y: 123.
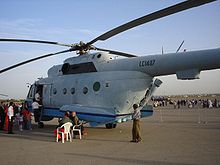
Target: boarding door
x: 47, y: 95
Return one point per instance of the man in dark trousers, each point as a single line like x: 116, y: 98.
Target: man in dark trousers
x: 136, y: 133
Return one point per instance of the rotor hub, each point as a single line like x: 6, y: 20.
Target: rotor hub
x: 82, y: 48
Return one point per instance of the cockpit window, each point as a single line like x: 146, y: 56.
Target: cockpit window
x: 78, y: 68
x: 99, y: 55
x: 65, y: 67
x: 31, y: 92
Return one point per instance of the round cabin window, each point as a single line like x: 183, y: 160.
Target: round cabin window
x: 73, y: 90
x: 54, y: 91
x: 85, y: 90
x: 64, y: 91
x: 96, y: 86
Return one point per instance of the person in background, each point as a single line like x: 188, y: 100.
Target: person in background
x: 2, y: 116
x: 10, y: 118
x: 37, y: 96
x: 6, y: 118
x: 25, y: 114
x: 19, y: 117
x: 64, y: 120
x: 75, y: 121
x: 28, y: 117
x: 74, y: 118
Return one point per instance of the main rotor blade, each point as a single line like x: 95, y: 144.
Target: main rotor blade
x: 34, y: 59
x: 151, y: 17
x: 116, y: 52
x: 34, y: 41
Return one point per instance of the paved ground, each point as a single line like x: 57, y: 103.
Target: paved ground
x: 182, y: 137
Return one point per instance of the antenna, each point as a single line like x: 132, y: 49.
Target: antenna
x: 179, y: 47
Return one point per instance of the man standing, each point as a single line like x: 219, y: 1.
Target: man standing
x: 136, y: 134
x: 10, y: 117
x: 37, y: 110
x: 38, y: 96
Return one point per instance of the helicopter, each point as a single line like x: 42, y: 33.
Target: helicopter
x: 102, y: 89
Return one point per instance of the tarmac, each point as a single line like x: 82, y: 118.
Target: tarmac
x: 170, y: 137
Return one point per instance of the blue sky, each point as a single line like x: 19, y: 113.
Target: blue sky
x: 70, y: 21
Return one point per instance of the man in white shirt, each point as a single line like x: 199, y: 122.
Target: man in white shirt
x: 37, y: 110
x: 10, y: 117
x: 37, y: 96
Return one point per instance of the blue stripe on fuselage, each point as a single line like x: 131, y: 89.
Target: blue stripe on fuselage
x: 93, y: 117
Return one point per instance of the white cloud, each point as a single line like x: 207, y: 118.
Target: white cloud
x: 38, y: 29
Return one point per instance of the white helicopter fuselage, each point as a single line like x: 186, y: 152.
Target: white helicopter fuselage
x: 102, y: 89
x: 98, y: 96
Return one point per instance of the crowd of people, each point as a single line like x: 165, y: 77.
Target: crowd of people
x: 190, y: 103
x: 207, y: 103
x: 14, y: 113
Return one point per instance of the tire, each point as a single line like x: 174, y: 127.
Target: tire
x: 110, y: 125
x: 40, y: 125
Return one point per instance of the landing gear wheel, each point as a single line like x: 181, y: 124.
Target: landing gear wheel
x: 110, y: 125
x: 40, y: 125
